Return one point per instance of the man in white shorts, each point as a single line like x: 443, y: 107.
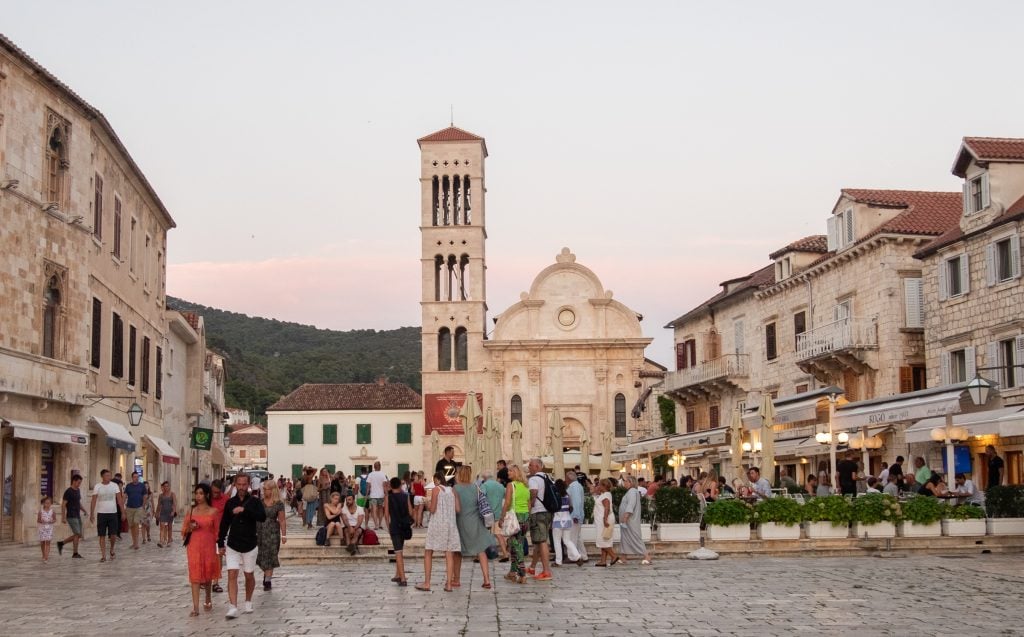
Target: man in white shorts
x: 237, y: 541
x: 377, y: 482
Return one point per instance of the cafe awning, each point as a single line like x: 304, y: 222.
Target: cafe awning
x: 911, y: 406
x: 218, y: 457
x: 46, y: 433
x: 789, y: 447
x: 698, y: 439
x: 645, y: 447
x: 166, y: 451
x: 796, y: 408
x: 117, y: 435
x: 1005, y: 422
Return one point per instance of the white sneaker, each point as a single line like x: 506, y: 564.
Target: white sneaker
x: 232, y: 612
x: 248, y: 607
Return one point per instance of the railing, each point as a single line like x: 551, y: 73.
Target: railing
x: 847, y: 333
x: 730, y: 365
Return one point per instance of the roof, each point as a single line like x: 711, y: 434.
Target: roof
x: 927, y: 212
x: 349, y: 397
x: 988, y: 149
x: 247, y: 439
x: 91, y: 112
x: 954, y: 234
x: 453, y: 134
x: 193, y: 319
x: 753, y: 281
x: 814, y: 243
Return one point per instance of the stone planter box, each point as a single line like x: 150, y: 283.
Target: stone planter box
x: 589, y: 532
x: 961, y: 528
x: 1004, y: 526
x: 678, y: 532
x: 882, y: 529
x: 645, y: 533
x: 733, y: 532
x: 776, y: 531
x: 909, y: 529
x: 825, y: 530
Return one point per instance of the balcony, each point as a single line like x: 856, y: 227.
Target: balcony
x: 836, y: 347
x: 709, y: 377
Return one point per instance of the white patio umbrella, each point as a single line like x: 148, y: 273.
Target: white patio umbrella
x: 768, y: 436
x: 469, y: 413
x: 572, y: 458
x: 556, y: 442
x: 584, y: 452
x: 608, y: 438
x: 736, y: 429
x: 489, y: 457
x: 496, y: 452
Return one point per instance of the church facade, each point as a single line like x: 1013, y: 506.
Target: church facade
x: 566, y: 345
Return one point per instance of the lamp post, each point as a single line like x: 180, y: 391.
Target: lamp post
x: 829, y: 438
x: 676, y: 461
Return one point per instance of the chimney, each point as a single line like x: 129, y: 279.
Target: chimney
x: 382, y: 380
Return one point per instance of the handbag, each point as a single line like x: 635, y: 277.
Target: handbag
x: 188, y: 536
x: 606, y: 533
x: 510, y: 524
x: 321, y: 536
x: 484, y: 506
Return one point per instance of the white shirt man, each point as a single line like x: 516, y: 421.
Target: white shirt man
x: 761, y: 487
x: 376, y: 484
x: 966, y: 487
x: 353, y: 518
x: 883, y: 475
x: 257, y: 484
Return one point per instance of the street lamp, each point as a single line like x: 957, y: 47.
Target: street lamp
x: 135, y: 415
x: 676, y: 461
x: 978, y: 388
x: 949, y: 435
x: 827, y: 438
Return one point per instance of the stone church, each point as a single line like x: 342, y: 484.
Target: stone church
x: 567, y: 344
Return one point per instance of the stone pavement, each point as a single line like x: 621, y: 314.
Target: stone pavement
x: 145, y: 592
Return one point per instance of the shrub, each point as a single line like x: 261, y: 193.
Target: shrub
x: 923, y: 510
x: 784, y: 511
x: 617, y: 494
x: 728, y: 512
x: 964, y: 512
x: 830, y: 508
x: 676, y: 505
x: 876, y: 507
x: 588, y: 509
x: 1005, y: 501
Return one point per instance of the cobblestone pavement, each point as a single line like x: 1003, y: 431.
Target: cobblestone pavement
x: 145, y: 592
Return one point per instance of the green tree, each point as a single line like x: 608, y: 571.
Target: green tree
x: 667, y: 407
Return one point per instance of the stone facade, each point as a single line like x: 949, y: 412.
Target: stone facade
x: 247, y: 446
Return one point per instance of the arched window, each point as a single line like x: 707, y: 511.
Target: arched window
x: 51, y: 318
x: 438, y: 269
x: 444, y: 350
x: 56, y: 163
x: 620, y: 416
x: 453, y: 273
x: 456, y: 199
x: 461, y: 347
x: 464, y: 277
x: 435, y: 193
x: 446, y: 201
x: 467, y: 207
x: 516, y: 409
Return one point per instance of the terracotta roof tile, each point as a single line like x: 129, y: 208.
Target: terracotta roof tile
x: 927, y: 212
x: 755, y: 280
x: 192, y: 318
x: 451, y: 134
x: 813, y: 243
x: 349, y: 396
x: 247, y: 439
x: 954, y: 234
x: 995, y: 148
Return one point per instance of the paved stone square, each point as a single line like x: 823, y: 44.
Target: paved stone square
x: 145, y: 593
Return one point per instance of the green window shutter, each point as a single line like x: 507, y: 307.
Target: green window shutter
x: 363, y: 436
x: 295, y: 434
x: 296, y: 471
x: 404, y: 433
x: 330, y: 468
x: 330, y: 434
x: 402, y: 468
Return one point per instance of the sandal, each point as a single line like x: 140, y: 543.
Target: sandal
x: 448, y: 589
x: 618, y: 560
x: 208, y: 606
x: 217, y: 588
x: 103, y: 559
x: 601, y: 564
x: 194, y: 613
x: 486, y: 585
x: 421, y: 587
x: 511, y: 577
x: 645, y: 562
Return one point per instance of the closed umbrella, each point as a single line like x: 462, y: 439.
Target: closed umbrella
x: 469, y: 413
x: 608, y: 438
x: 516, y: 434
x: 556, y: 442
x: 736, y: 427
x: 496, y: 452
x: 585, y: 452
x: 489, y: 456
x: 768, y: 436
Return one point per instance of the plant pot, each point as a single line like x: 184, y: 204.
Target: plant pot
x: 733, y: 532
x: 882, y: 529
x: 825, y: 530
x: 678, y: 532
x: 776, y: 531
x: 1004, y: 526
x: 909, y: 529
x: 588, y: 533
x: 961, y: 528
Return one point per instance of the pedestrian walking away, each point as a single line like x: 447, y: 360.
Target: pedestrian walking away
x: 377, y: 484
x: 442, y: 532
x: 237, y: 541
x: 632, y: 542
x: 474, y: 536
x: 540, y: 521
x: 515, y: 512
x: 398, y: 516
x: 71, y: 512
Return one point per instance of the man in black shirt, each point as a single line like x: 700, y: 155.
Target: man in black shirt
x: 995, y: 467
x: 71, y: 509
x: 448, y: 466
x: 896, y: 469
x: 846, y: 469
x: 238, y: 528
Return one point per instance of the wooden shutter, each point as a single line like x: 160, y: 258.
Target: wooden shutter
x: 681, y: 355
x: 992, y: 359
x: 848, y: 234
x: 692, y: 343
x: 770, y: 349
x: 943, y: 280
x: 738, y: 336
x: 906, y: 379
x: 913, y: 302
x: 967, y: 197
x: 1015, y: 256
x: 713, y: 417
x: 991, y: 276
x: 970, y: 364
x: 965, y: 273
x: 984, y: 191
x: 944, y: 368
x: 833, y: 233
x: 1018, y: 359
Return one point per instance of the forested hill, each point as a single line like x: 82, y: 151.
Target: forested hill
x: 267, y: 358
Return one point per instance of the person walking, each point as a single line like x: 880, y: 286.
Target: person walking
x: 166, y: 510
x: 134, y: 504
x: 311, y: 500
x: 604, y: 519
x: 376, y: 482
x: 561, y: 528
x: 107, y: 500
x: 71, y: 513
x: 474, y: 537
x: 147, y: 515
x: 442, y: 532
x: 631, y: 541
x: 419, y: 499
x: 218, y: 500
x: 517, y: 502
x: 495, y: 494
x: 44, y: 526
x: 199, y: 530
x: 398, y: 517
x: 574, y: 489
x: 271, y: 533
x: 540, y: 521
x: 237, y: 541
x: 995, y: 467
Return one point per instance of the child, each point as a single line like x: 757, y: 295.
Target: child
x: 398, y: 517
x: 45, y: 521
x: 147, y: 507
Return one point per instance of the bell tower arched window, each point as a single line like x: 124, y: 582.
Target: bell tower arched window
x: 444, y: 350
x: 516, y: 409
x: 620, y: 416
x: 467, y: 207
x: 434, y: 199
x: 461, y: 349
x: 51, y: 318
x: 438, y: 278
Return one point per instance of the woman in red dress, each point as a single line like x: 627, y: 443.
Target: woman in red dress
x: 203, y: 560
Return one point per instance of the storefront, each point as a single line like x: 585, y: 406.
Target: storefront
x: 158, y: 462
x: 1002, y: 428
x: 112, y: 444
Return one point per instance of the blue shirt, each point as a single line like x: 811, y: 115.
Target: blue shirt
x: 575, y: 491
x: 135, y: 495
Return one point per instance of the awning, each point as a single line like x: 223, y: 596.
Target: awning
x: 167, y: 452
x: 117, y: 436
x: 696, y: 439
x: 1005, y: 422
x: 218, y: 457
x: 796, y: 408
x: 900, y: 408
x: 789, y: 446
x: 645, y: 447
x: 46, y: 433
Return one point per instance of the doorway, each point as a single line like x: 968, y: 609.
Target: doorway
x: 7, y: 509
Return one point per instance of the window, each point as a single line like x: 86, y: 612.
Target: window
x: 954, y: 277
x: 56, y: 162
x: 686, y: 354
x: 117, y: 347
x: 51, y: 318
x: 737, y: 327
x: 840, y: 230
x: 444, y: 350
x: 296, y: 471
x: 976, y: 194
x: 691, y: 421
x: 516, y: 409
x: 159, y: 373
x: 97, y: 209
x: 958, y: 366
x: 263, y: 453
x: 913, y: 302
x: 117, y: 229
x: 241, y: 453
x: 799, y: 326
x: 1002, y: 260
x: 403, y: 468
x: 97, y: 333
x: 145, y: 365
x: 714, y: 415
x: 404, y: 433
x: 330, y: 434
x: 131, y: 244
x: 770, y: 346
x: 131, y: 354
x: 1006, y: 355
x: 461, y: 347
x: 842, y: 311
x: 620, y: 416
x: 912, y: 378
x: 364, y: 434
x: 330, y: 468
x: 783, y: 268
x: 296, y: 436
x: 801, y: 388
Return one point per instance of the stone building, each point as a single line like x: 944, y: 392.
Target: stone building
x: 247, y: 447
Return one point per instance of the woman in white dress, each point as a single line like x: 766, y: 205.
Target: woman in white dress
x: 442, y: 532
x: 604, y: 520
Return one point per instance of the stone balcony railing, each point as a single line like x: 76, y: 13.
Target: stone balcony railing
x: 845, y: 334
x: 721, y: 368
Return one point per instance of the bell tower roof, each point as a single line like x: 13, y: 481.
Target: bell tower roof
x: 452, y: 134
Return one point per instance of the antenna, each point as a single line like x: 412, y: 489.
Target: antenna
x: 452, y: 113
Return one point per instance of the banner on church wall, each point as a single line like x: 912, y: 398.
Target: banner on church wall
x: 441, y: 413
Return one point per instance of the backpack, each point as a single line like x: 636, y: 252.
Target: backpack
x: 321, y: 536
x: 550, y: 499
x: 484, y: 507
x: 370, y: 538
x: 363, y: 487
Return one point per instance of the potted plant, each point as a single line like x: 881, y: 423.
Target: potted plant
x: 875, y: 515
x: 778, y: 519
x: 963, y: 520
x: 728, y: 519
x: 588, y: 532
x: 1005, y: 506
x: 921, y: 517
x: 678, y: 513
x: 827, y: 517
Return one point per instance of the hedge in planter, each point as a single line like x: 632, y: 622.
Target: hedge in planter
x: 1005, y: 501
x: 676, y: 505
x: 964, y: 512
x: 923, y: 510
x: 728, y: 512
x: 875, y: 508
x: 830, y: 508
x: 784, y: 511
x: 588, y: 509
